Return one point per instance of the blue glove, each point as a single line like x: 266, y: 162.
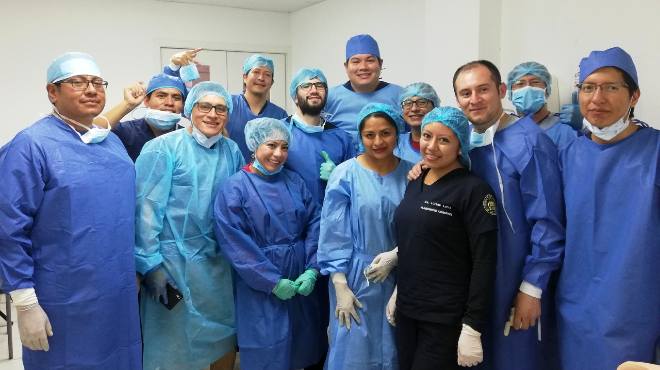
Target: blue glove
x: 570, y: 114
x: 326, y: 167
x: 156, y: 282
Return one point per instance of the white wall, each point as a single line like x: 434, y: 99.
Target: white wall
x: 124, y: 37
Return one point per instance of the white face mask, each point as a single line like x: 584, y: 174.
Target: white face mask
x: 203, y: 140
x: 162, y: 120
x: 610, y: 132
x: 94, y: 135
x: 478, y: 139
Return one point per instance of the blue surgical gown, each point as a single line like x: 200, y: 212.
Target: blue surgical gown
x: 305, y: 154
x: 344, y: 104
x: 530, y: 246
x: 560, y: 133
x: 241, y: 114
x: 177, y: 181
x: 67, y: 218
x: 356, y: 226
x: 405, y: 150
x: 134, y: 134
x: 267, y: 227
x: 608, y: 296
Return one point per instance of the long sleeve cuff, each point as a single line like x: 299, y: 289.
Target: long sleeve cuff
x: 531, y: 290
x: 24, y: 297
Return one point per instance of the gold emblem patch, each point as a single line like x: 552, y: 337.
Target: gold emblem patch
x: 489, y: 204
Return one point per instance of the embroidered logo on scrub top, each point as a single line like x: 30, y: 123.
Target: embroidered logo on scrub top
x: 437, y: 208
x: 489, y: 204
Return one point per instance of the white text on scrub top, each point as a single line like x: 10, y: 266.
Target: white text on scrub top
x: 437, y: 208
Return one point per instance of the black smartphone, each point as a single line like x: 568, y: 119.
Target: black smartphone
x: 173, y: 297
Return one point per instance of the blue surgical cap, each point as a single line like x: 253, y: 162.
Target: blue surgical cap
x: 422, y: 90
x: 362, y: 44
x: 387, y: 109
x: 304, y: 75
x: 203, y: 89
x: 261, y: 130
x: 529, y: 68
x: 72, y: 64
x: 163, y: 81
x: 258, y: 60
x: 612, y: 57
x: 457, y: 122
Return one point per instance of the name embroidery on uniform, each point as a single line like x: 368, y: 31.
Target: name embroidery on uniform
x: 437, y: 208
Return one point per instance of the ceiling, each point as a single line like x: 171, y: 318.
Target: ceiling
x: 281, y: 6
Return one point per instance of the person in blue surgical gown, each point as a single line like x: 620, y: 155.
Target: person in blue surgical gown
x: 67, y: 218
x: 415, y: 101
x: 529, y: 85
x: 356, y: 227
x: 267, y: 224
x: 178, y: 176
x: 608, y: 293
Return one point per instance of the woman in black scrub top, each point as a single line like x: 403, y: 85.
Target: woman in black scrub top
x: 446, y: 230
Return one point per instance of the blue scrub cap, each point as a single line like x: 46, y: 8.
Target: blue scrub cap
x: 457, y: 122
x: 260, y: 130
x: 529, y: 68
x: 362, y: 44
x: 612, y: 57
x: 203, y: 89
x: 387, y: 109
x: 258, y: 60
x: 72, y: 64
x: 163, y: 81
x: 422, y: 90
x: 304, y: 75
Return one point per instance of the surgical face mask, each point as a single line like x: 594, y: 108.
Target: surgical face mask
x: 482, y: 139
x: 263, y: 169
x: 610, y: 132
x: 203, y: 140
x: 189, y: 72
x: 94, y: 135
x: 528, y: 99
x: 305, y: 127
x: 162, y: 120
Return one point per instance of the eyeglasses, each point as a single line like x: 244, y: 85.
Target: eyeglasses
x: 421, y: 103
x: 308, y: 86
x: 81, y: 85
x: 609, y: 88
x: 523, y: 83
x: 220, y: 109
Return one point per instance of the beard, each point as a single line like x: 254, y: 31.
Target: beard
x: 309, y: 109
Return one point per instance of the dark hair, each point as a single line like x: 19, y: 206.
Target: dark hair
x: 494, y: 72
x: 377, y: 115
x: 632, y: 88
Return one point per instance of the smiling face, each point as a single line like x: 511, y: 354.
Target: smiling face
x: 258, y: 81
x: 479, y: 96
x: 79, y: 105
x: 439, y: 146
x: 211, y: 123
x: 605, y: 106
x: 272, y: 154
x: 166, y: 99
x: 378, y: 137
x: 414, y: 110
x: 311, y: 99
x: 363, y: 71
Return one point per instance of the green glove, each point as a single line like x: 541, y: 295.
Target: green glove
x: 305, y: 282
x: 285, y: 289
x: 326, y: 167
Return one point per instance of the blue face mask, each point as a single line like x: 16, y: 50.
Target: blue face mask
x: 162, y: 120
x: 203, y: 140
x: 305, y: 127
x: 528, y: 99
x: 258, y: 166
x: 189, y: 72
x: 94, y: 135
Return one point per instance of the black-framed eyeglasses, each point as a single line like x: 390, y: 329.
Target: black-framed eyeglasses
x: 421, y: 103
x: 220, y: 109
x: 605, y: 88
x: 308, y: 85
x: 81, y: 85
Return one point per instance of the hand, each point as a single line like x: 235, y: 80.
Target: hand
x: 34, y: 327
x: 285, y: 289
x: 381, y: 266
x: 346, y: 302
x: 326, y: 167
x: 305, y: 282
x: 134, y: 94
x: 156, y: 283
x: 416, y: 171
x: 470, y: 353
x: 570, y: 115
x: 390, y: 309
x: 184, y: 57
x: 527, y: 311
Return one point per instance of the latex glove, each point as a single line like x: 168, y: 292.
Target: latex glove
x: 326, y: 167
x: 34, y: 327
x: 134, y: 94
x: 346, y: 301
x: 184, y: 57
x: 390, y: 309
x: 527, y: 311
x: 570, y: 113
x: 285, y: 289
x: 156, y: 283
x: 381, y: 266
x: 469, y: 351
x: 305, y: 282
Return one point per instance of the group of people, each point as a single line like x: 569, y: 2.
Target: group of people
x: 371, y: 228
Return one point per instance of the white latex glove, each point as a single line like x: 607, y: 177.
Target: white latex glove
x: 34, y: 327
x: 346, y: 301
x: 390, y: 309
x: 381, y: 266
x: 184, y: 57
x: 470, y: 352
